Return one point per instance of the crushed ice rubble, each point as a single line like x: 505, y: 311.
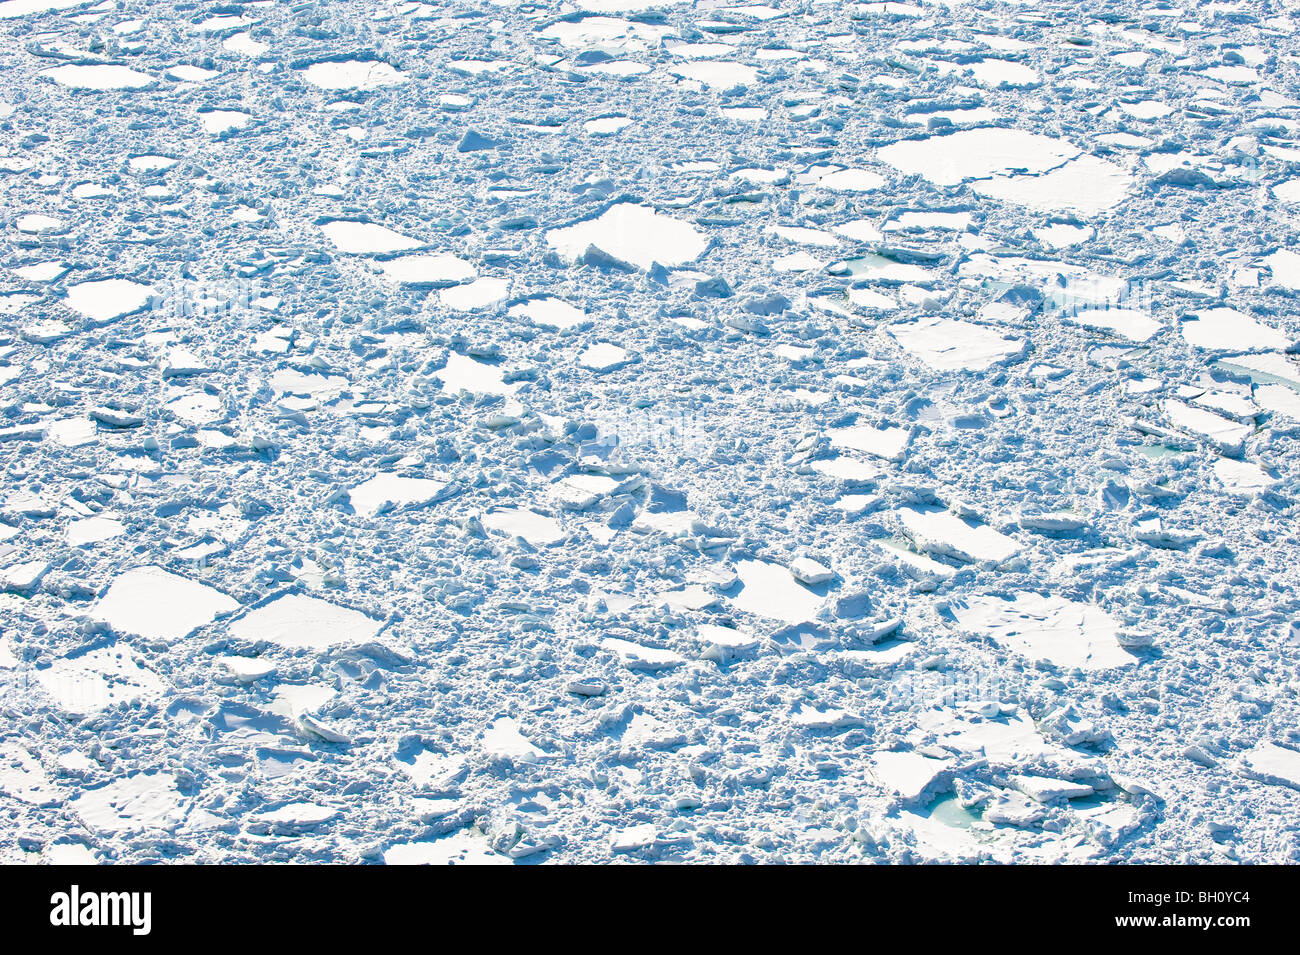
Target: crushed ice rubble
x: 634, y: 430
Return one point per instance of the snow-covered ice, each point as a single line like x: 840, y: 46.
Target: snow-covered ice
x: 649, y: 430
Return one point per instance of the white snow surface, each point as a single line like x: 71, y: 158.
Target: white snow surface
x: 628, y: 430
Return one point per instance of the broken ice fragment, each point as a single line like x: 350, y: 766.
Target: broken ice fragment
x: 632, y: 233
x: 297, y: 621
x: 1052, y: 629
x: 159, y: 605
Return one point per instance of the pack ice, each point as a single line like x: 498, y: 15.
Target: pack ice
x: 649, y: 431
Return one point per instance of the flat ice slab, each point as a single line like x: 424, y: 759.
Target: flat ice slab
x: 159, y: 605
x: 1130, y: 323
x: 637, y: 656
x: 549, y: 312
x: 976, y: 154
x: 537, y: 529
x: 107, y: 299
x: 99, y: 679
x: 459, y: 848
x: 142, y: 801
x: 434, y: 269
x: 888, y: 442
x: 504, y: 740
x: 1062, y: 632
x: 1226, y: 329
x: 631, y: 233
x: 99, y: 76
x: 1086, y: 185
x: 353, y: 75
x: 366, y: 238
x: 942, y: 532
x: 388, y: 491
x: 906, y: 773
x: 1274, y: 764
x: 297, y: 622
x: 770, y: 590
x: 946, y: 344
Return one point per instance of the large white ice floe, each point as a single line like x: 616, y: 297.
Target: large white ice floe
x: 549, y: 312
x: 103, y: 300
x: 888, y: 442
x: 457, y: 848
x: 480, y: 294
x: 299, y: 621
x: 98, y: 679
x: 366, y: 238
x: 99, y: 76
x: 1273, y: 764
x: 504, y: 740
x: 432, y: 269
x: 142, y: 801
x: 1052, y: 629
x: 1226, y: 329
x: 462, y: 373
x: 939, y: 531
x: 719, y: 74
x: 947, y: 344
x: 22, y: 777
x: 535, y: 528
x: 1130, y: 323
x: 772, y: 591
x: 159, y: 605
x: 385, y: 492
x: 632, y: 233
x: 906, y: 773
x: 353, y: 75
x: 1086, y: 185
x: 976, y: 154
x: 638, y: 656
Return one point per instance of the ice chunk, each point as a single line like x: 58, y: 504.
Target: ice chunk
x: 297, y: 621
x: 103, y: 301
x: 976, y: 153
x: 1271, y: 763
x: 537, y: 529
x: 1052, y: 629
x: 1086, y: 185
x: 98, y: 679
x: 22, y: 777
x: 1044, y: 789
x: 942, y: 532
x: 353, y: 75
x: 907, y: 773
x: 639, y: 657
x: 459, y: 848
x: 1226, y: 329
x: 98, y: 76
x: 142, y: 801
x: 1223, y: 432
x: 631, y: 233
x: 548, y: 312
x: 946, y: 344
x: 602, y: 356
x: 159, y: 605
x: 386, y: 491
x: 365, y: 238
x: 808, y: 571
x: 770, y: 590
x: 431, y: 270
x: 479, y: 294
x: 888, y: 442
x: 1135, y: 325
x: 504, y: 740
